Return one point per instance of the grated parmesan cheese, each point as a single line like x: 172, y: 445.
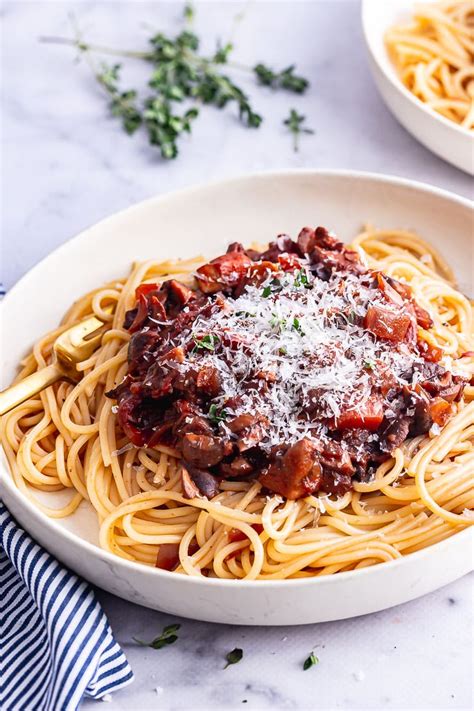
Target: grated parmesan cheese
x: 303, y: 337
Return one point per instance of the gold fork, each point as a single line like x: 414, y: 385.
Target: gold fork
x: 70, y: 348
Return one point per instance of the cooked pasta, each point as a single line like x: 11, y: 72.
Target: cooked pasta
x: 67, y: 438
x: 434, y: 55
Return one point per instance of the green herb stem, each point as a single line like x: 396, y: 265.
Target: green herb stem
x: 134, y: 54
x: 100, y: 49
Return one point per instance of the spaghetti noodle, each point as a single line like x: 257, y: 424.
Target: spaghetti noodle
x: 67, y: 438
x: 434, y: 55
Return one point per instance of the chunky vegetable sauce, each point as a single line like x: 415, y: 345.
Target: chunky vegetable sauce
x: 297, y: 366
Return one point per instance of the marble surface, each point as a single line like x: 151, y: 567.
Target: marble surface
x: 65, y: 164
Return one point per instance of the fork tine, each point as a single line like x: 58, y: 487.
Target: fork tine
x: 79, y: 332
x: 89, y: 346
x: 69, y: 353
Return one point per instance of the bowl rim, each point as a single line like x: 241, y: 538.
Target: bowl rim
x: 397, y: 84
x: 107, y: 557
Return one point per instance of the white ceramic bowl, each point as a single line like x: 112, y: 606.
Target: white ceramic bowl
x: 204, y: 220
x: 442, y: 136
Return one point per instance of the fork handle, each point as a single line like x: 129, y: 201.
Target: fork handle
x: 31, y: 385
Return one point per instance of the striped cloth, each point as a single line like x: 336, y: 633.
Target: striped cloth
x: 56, y: 644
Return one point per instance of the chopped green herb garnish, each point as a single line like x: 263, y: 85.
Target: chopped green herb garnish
x: 370, y: 364
x: 234, y: 657
x: 275, y: 285
x: 282, y: 350
x: 216, y: 415
x: 310, y: 661
x: 277, y: 321
x: 167, y: 637
x: 297, y: 326
x: 301, y: 278
x: 208, y: 342
x: 247, y: 314
x: 352, y: 318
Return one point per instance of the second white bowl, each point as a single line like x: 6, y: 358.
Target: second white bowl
x: 451, y: 142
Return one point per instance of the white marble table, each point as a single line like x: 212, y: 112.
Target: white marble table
x: 66, y: 164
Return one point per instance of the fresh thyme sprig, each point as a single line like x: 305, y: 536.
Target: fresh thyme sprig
x: 295, y: 122
x: 180, y: 74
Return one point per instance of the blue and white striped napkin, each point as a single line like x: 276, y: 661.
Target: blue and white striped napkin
x: 56, y: 644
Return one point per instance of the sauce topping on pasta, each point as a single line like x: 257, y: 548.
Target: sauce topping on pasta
x: 297, y: 366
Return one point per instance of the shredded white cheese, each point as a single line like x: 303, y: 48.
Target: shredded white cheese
x: 305, y: 338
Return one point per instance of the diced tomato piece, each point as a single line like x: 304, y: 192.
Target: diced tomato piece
x: 368, y: 416
x: 168, y: 556
x: 224, y: 272
x: 397, y: 293
x: 289, y: 262
x: 193, y: 548
x: 390, y: 285
x: 429, y: 352
x: 259, y: 271
x: 235, y: 534
x: 174, y: 354
x: 440, y: 410
x: 387, y: 324
x: 423, y: 318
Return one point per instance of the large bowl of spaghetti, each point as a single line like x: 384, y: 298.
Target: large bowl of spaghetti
x: 422, y: 56
x: 277, y: 427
